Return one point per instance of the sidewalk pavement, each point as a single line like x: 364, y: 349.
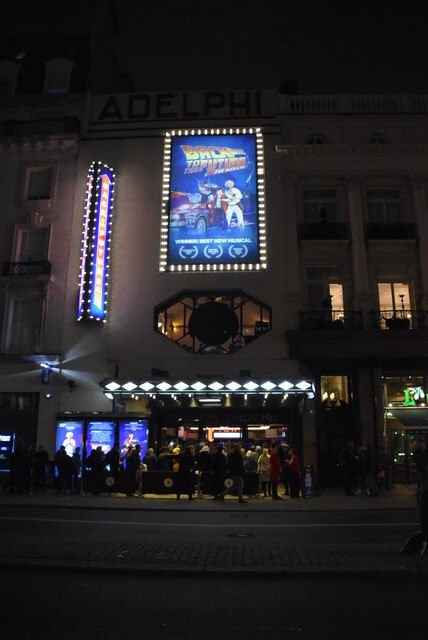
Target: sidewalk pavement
x: 401, y: 497
x: 237, y: 558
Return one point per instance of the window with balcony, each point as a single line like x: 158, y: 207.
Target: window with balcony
x: 395, y: 308
x: 32, y: 244
x: 386, y: 219
x: 325, y: 302
x: 316, y: 201
x: 384, y: 206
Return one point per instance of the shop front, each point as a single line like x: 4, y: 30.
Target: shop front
x: 405, y: 422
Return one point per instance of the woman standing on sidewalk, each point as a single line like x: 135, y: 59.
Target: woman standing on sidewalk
x: 263, y: 469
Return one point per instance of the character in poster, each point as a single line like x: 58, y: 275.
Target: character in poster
x: 233, y: 198
x: 69, y: 443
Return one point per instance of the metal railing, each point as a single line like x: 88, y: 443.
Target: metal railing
x: 390, y: 231
x: 331, y: 320
x: 69, y: 124
x: 323, y: 231
x: 403, y: 319
x: 36, y: 268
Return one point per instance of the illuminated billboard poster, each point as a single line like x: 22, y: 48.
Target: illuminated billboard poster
x: 7, y: 441
x: 132, y: 432
x: 69, y: 433
x: 213, y: 215
x: 85, y: 236
x: 100, y: 434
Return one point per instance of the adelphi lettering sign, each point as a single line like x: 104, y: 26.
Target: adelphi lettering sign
x: 181, y: 106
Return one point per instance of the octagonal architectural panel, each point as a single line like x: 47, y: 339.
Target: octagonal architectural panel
x: 218, y: 322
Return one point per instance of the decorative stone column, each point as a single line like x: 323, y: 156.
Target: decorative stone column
x: 418, y: 185
x: 290, y: 245
x: 362, y: 295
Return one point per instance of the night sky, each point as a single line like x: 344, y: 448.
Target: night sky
x: 375, y: 46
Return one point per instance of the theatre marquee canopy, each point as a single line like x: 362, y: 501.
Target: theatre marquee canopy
x: 209, y: 388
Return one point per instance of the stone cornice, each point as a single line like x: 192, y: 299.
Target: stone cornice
x: 354, y: 150
x: 61, y: 146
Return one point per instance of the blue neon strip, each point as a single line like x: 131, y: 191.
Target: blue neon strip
x: 101, y: 235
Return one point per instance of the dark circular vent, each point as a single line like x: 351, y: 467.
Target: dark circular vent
x: 213, y: 323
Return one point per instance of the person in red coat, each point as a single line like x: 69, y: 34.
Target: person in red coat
x: 275, y: 471
x: 294, y: 474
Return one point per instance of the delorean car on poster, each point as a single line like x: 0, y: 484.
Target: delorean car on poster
x: 213, y: 200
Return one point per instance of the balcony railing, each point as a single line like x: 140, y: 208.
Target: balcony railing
x: 331, y: 320
x: 323, y: 231
x: 403, y: 319
x: 393, y: 231
x: 39, y: 268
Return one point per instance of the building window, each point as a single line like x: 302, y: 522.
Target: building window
x: 23, y: 324
x: 32, y: 244
x: 7, y: 85
x: 384, y: 206
x: 334, y: 392
x: 316, y: 138
x: 58, y: 75
x: 317, y: 201
x: 325, y: 290
x: 8, y: 78
x: 379, y: 138
x: 394, y: 296
x: 39, y: 184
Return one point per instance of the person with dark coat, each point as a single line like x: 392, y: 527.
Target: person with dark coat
x: 133, y: 463
x: 275, y: 471
x: 40, y: 463
x: 219, y: 469
x: 17, y: 471
x: 294, y: 474
x: 151, y: 460
x: 236, y: 467
x: 186, y: 474
x: 113, y: 457
x: 62, y: 467
x: 164, y: 459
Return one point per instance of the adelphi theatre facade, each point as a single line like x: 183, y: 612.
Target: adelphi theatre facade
x: 214, y: 266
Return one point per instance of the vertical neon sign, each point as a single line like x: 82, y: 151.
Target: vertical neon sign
x: 93, y: 283
x: 85, y: 234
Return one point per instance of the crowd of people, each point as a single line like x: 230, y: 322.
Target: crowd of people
x: 364, y: 471
x: 272, y: 464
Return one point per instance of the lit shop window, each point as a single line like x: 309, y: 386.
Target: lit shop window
x: 215, y: 322
x: 316, y: 201
x: 335, y: 392
x: 384, y: 206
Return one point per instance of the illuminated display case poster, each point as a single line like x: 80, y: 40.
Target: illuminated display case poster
x: 132, y: 433
x: 100, y: 434
x: 213, y: 217
x: 70, y: 434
